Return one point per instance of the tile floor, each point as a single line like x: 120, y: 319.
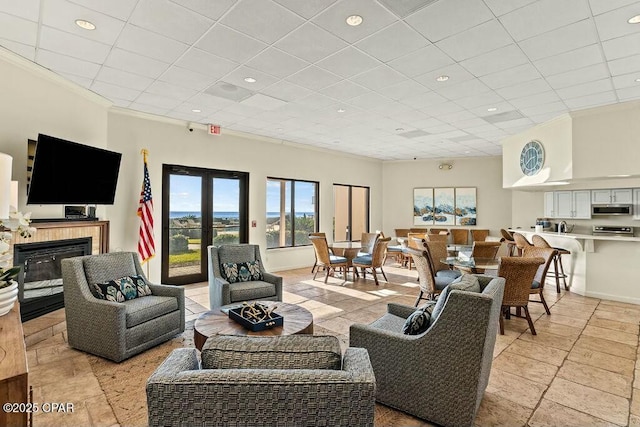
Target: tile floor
x: 580, y: 370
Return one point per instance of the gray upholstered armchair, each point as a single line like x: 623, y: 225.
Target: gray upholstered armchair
x: 439, y: 375
x: 221, y: 292
x: 117, y: 330
x: 295, y: 380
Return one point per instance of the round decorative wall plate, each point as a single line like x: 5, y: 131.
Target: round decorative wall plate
x: 532, y: 158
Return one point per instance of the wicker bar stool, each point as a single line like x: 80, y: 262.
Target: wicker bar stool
x: 521, y: 242
x: 558, y: 268
x: 507, y: 237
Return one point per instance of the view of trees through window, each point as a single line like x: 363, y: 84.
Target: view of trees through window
x: 292, y: 212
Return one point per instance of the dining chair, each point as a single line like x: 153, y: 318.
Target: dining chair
x: 558, y: 268
x: 436, y: 230
x: 521, y: 242
x: 315, y: 264
x: 437, y: 237
x: 418, y: 230
x: 537, y: 286
x: 507, y: 237
x: 414, y: 241
x: 430, y: 285
x: 367, y: 242
x: 479, y: 235
x: 518, y: 273
x: 374, y: 261
x: 438, y: 251
x: 401, y: 232
x: 484, y: 250
x: 326, y: 259
x: 460, y: 236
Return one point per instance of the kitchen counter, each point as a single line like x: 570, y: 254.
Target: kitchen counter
x: 600, y: 266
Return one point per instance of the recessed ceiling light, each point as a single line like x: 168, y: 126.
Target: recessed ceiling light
x: 354, y: 20
x: 634, y: 20
x: 492, y: 109
x: 442, y: 78
x: 638, y: 80
x: 85, y: 25
x: 467, y: 152
x: 250, y: 80
x: 280, y: 129
x: 195, y: 110
x: 341, y: 110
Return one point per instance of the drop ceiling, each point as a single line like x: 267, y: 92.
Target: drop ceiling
x: 371, y: 90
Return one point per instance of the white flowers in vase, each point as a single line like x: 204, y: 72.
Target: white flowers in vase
x: 17, y: 222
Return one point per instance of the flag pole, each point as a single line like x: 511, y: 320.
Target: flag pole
x: 145, y: 153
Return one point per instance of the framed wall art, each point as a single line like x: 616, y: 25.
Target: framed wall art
x: 465, y: 211
x: 422, y: 206
x: 444, y: 206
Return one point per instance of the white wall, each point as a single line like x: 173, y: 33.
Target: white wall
x: 484, y: 173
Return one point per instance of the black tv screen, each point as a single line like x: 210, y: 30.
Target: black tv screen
x: 66, y: 172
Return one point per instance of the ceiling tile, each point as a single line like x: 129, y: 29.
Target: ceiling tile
x: 584, y: 89
x: 62, y: 15
x: 137, y: 64
x: 601, y: 6
x: 236, y: 47
x: 27, y: 9
x: 348, y: 62
x: 262, y: 19
x: 421, y: 61
x: 626, y: 80
x: 475, y: 41
x: 445, y: 18
x: 369, y: 99
x: 315, y: 100
x: 378, y: 78
x: 205, y: 63
x: 392, y: 42
x: 487, y: 99
x: 519, y: 74
x: 404, y: 8
x: 628, y: 94
x: 500, y: 59
x: 72, y: 45
x: 23, y: 50
x: 579, y: 58
x: 120, y: 9
x: 500, y: 7
x: 456, y: 74
x: 624, y: 65
x: 310, y: 43
x: 561, y: 40
x: 171, y: 20
x: 608, y: 23
x: 277, y: 63
x: 536, y: 99
x: 151, y: 109
x: 207, y: 101
x: 139, y: 40
x: 591, y: 100
x: 344, y: 90
x: 402, y: 90
x: 374, y: 18
x: 286, y: 91
x: 622, y: 46
x: 238, y: 75
x: 187, y: 78
x: 66, y: 64
x: 441, y: 108
x: 308, y: 8
x: 210, y: 9
x: 110, y: 91
x: 464, y: 89
x: 523, y: 89
x: 123, y: 78
x: 82, y: 81
x: 18, y: 29
x: 583, y: 75
x: 553, y: 107
x: 170, y: 90
x: 313, y: 78
x: 263, y: 102
x: 543, y: 16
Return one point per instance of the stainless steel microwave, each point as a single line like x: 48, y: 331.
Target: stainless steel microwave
x: 611, y: 210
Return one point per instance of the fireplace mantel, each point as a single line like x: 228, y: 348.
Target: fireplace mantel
x: 61, y: 230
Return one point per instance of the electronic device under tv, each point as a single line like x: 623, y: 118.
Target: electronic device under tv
x: 66, y: 172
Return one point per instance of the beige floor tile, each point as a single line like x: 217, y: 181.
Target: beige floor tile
x: 545, y: 326
x: 79, y: 417
x: 566, y: 320
x: 635, y: 402
x: 535, y: 351
x: 338, y: 325
x: 597, y: 378
x: 75, y: 389
x: 570, y: 310
x: 607, y: 346
x: 601, y: 360
x: 537, y: 371
x: 100, y: 412
x: 580, y: 299
x: 617, y: 316
x: 550, y: 340
x: 551, y: 414
x: 609, y: 334
x: 617, y: 305
x: 496, y: 411
x: 634, y: 420
x: 594, y: 402
x: 614, y: 325
x: 515, y: 388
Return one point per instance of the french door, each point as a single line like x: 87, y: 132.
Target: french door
x: 350, y: 212
x: 200, y: 207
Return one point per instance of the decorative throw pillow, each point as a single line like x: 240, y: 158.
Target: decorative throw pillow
x: 122, y: 289
x: 242, y: 271
x: 466, y: 282
x: 420, y: 320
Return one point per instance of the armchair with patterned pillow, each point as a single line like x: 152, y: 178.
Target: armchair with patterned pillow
x: 237, y: 274
x: 112, y: 310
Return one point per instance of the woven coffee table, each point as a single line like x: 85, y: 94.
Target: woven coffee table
x: 297, y: 320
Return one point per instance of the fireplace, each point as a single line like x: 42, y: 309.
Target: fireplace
x: 40, y: 280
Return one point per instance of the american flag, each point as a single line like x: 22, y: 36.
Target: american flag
x: 146, y: 246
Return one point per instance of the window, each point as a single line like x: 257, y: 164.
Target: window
x: 292, y: 212
x: 351, y: 212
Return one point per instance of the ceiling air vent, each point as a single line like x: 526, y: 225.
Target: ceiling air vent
x: 404, y: 8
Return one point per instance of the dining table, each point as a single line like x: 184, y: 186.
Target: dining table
x: 473, y: 264
x: 349, y: 250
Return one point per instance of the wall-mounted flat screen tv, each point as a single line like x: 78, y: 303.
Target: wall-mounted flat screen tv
x: 65, y: 172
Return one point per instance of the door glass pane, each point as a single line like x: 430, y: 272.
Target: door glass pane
x: 226, y: 211
x: 305, y: 221
x: 185, y: 225
x: 278, y: 213
x: 359, y: 211
x: 341, y: 213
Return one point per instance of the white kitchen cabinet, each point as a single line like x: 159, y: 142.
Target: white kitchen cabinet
x: 615, y: 195
x: 549, y: 205
x: 636, y: 203
x: 572, y: 204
